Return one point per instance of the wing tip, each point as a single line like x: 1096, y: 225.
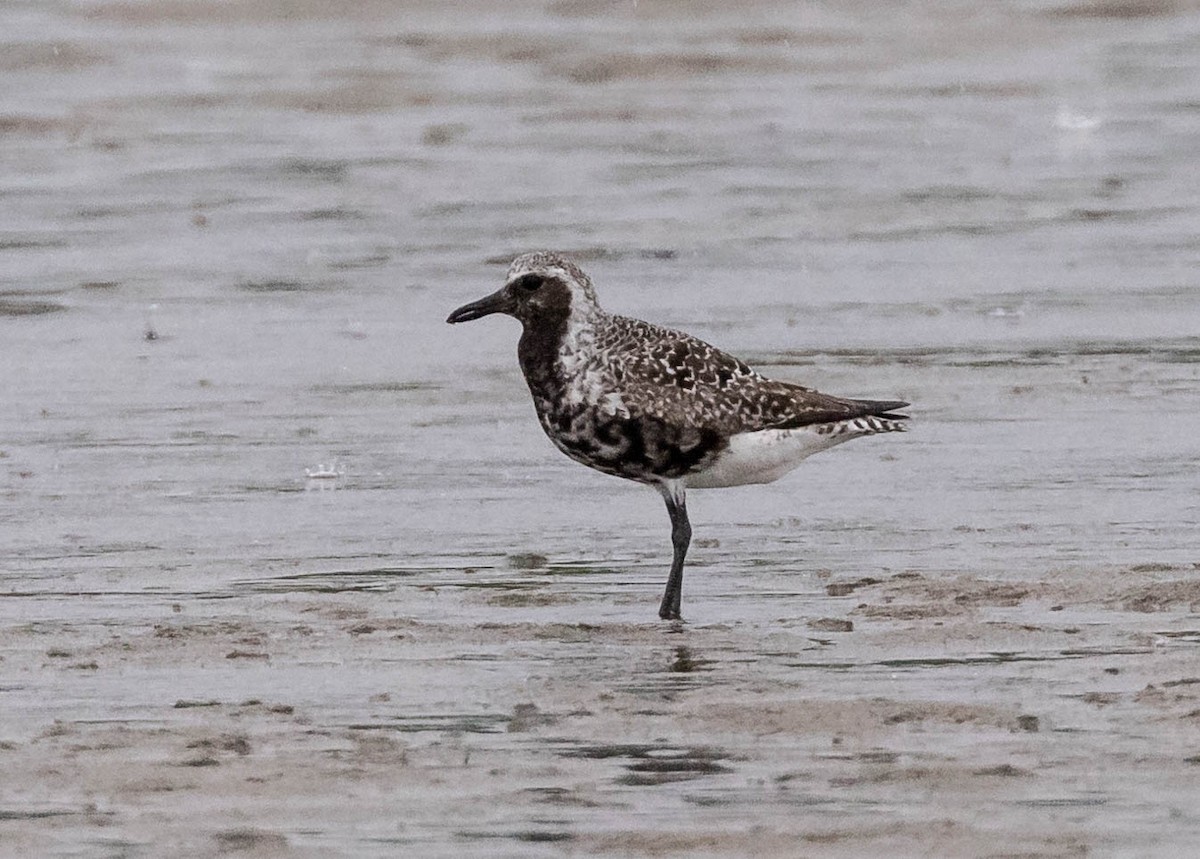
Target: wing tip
x: 884, y: 409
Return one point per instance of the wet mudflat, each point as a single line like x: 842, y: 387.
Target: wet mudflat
x: 230, y: 235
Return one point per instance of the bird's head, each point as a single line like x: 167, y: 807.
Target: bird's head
x: 540, y: 289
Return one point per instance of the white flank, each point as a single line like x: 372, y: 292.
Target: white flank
x: 767, y: 455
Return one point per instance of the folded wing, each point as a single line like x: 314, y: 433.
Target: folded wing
x: 683, y: 381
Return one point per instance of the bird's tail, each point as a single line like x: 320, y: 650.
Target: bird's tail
x: 886, y: 409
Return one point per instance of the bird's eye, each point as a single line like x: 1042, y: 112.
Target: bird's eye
x: 530, y: 283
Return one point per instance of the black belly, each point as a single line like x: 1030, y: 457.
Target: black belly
x: 639, y: 448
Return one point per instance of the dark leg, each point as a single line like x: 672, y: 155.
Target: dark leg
x: 681, y: 536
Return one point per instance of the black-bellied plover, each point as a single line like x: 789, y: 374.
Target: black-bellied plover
x: 657, y: 406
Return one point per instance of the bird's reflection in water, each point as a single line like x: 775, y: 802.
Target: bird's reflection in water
x: 685, y: 662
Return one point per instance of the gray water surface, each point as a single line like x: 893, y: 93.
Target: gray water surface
x: 229, y: 238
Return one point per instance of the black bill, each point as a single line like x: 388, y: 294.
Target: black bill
x: 498, y: 302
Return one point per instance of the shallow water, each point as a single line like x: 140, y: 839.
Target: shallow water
x: 230, y: 236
